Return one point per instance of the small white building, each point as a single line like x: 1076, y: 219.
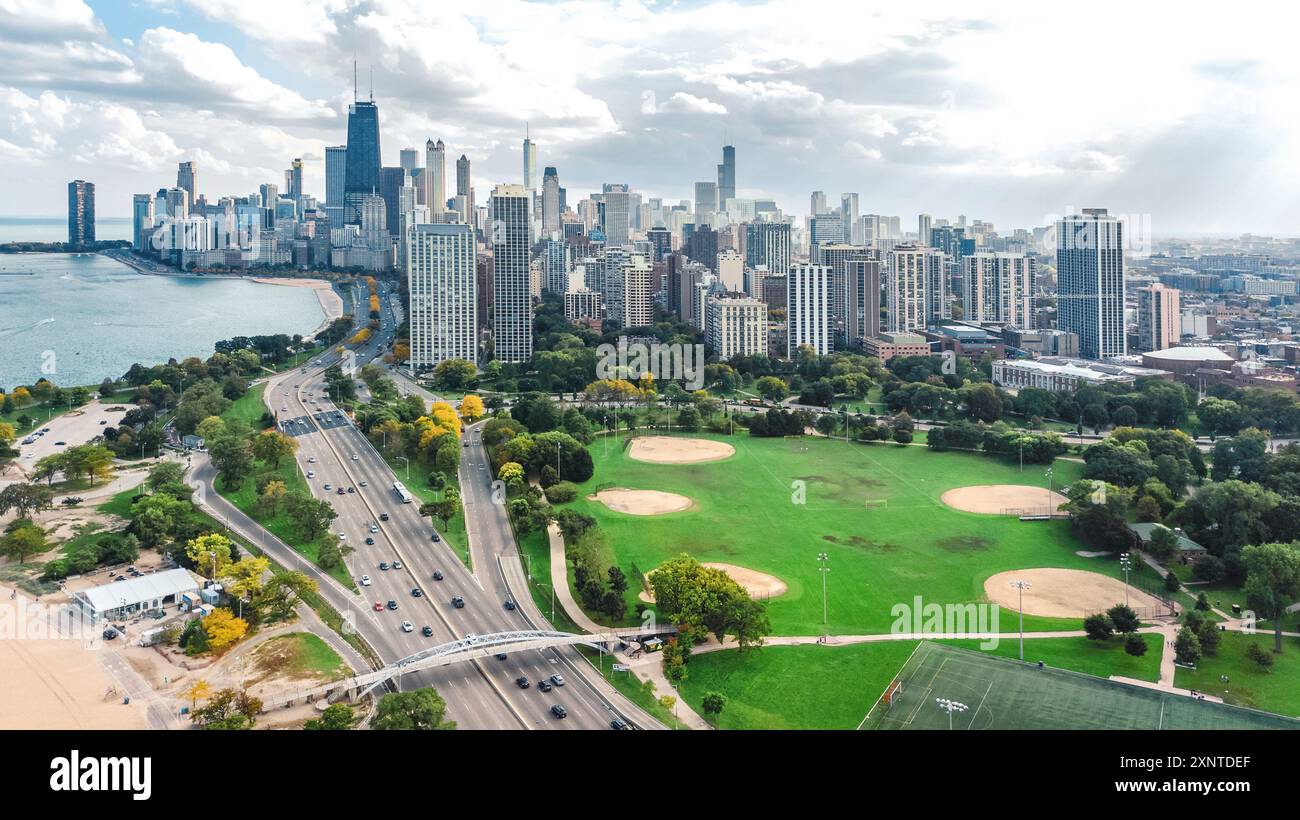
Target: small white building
x: 124, y: 598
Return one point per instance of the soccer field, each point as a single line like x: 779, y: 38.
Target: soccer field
x: 998, y: 693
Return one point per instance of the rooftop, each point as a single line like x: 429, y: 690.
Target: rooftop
x: 137, y: 590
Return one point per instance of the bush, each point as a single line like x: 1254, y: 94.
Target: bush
x: 562, y: 492
x: 1135, y: 645
x: 1262, y: 658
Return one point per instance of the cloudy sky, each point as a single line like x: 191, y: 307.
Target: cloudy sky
x: 1001, y: 111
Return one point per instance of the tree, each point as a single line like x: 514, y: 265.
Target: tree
x: 22, y: 542
x: 281, y: 593
x: 25, y: 499
x: 224, y: 629
x: 228, y: 709
x: 271, y: 446
x: 271, y: 497
x: 1098, y: 627
x: 456, y: 374
x: 420, y: 709
x: 210, y: 555
x: 232, y: 455
x: 1172, y: 584
x: 1123, y: 618
x: 336, y: 717
x: 1135, y: 645
x: 310, y: 516
x: 1272, y: 582
x: 713, y: 703
x: 243, y: 578
x: 196, y: 692
x: 1262, y: 659
x: 471, y: 408
x: 772, y: 388
x: 1187, y: 647
x: 511, y: 473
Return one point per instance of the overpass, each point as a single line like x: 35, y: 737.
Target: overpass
x: 469, y: 648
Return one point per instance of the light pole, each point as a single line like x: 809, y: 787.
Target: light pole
x: 1126, y: 564
x: 1022, y: 586
x: 1051, y: 489
x: 408, y: 466
x: 822, y: 559
x: 950, y: 706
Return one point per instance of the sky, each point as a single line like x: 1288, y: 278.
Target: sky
x: 1004, y: 111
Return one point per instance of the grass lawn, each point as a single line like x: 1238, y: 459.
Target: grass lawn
x: 1080, y: 655
x: 1248, y: 685
x: 299, y: 655
x: 120, y: 504
x: 248, y: 408
x: 795, y: 687
x: 749, y: 513
x: 416, y: 480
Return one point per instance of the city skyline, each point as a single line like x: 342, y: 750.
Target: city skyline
x: 928, y: 134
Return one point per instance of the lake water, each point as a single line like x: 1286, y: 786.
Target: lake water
x: 76, y: 318
x: 55, y: 229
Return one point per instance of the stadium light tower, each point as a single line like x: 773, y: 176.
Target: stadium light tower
x: 1126, y: 564
x: 1022, y: 586
x: 950, y: 706
x: 822, y: 558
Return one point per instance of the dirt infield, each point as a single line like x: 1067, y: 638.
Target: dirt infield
x: 668, y: 450
x: 642, y: 502
x: 1062, y: 593
x: 757, y: 584
x: 997, y: 499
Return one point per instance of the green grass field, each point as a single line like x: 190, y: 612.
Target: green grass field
x: 748, y: 513
x: 1005, y: 694
x: 1274, y: 690
x: 299, y: 655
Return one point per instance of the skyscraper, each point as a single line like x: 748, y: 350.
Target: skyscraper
x: 849, y: 214
x: 808, y: 309
x: 555, y: 272
x: 292, y: 180
x: 916, y: 291
x: 638, y: 300
x: 81, y: 213
x: 706, y: 202
x: 727, y: 176
x: 736, y: 326
x: 362, y: 167
x: 187, y: 177
x: 463, y: 188
x: 391, y: 181
x: 530, y: 163
x: 862, y: 288
x: 1159, y: 317
x: 435, y: 178
x: 817, y: 206
x: 336, y: 159
x: 768, y: 243
x: 141, y: 221
x: 441, y: 276
x: 998, y: 288
x: 512, y: 306
x: 1090, y: 282
x: 618, y: 216
x: 409, y: 159
x: 550, y: 201
x: 923, y: 223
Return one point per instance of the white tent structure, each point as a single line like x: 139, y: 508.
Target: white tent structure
x: 120, y: 599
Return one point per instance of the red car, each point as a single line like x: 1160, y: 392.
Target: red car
x: 379, y: 606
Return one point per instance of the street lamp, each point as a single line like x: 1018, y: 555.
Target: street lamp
x: 950, y: 706
x: 1022, y: 586
x: 408, y: 466
x: 822, y: 559
x: 1051, y: 489
x: 1126, y: 564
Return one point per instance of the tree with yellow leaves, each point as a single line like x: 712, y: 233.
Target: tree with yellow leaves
x: 471, y: 408
x: 243, y: 579
x: 223, y: 629
x: 210, y: 554
x: 197, y: 691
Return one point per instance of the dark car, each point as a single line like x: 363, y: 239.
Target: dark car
x: 501, y: 656
x: 522, y: 682
x: 416, y: 593
x: 392, y: 605
x: 510, y: 606
x: 342, y: 491
x: 369, y: 541
x: 383, y: 516
x: 458, y: 602
x: 352, y: 489
x: 383, y: 565
x: 437, y: 575
x: 544, y: 685
x: 618, y: 725
x: 435, y: 537
x: 427, y: 632
x: 559, y: 711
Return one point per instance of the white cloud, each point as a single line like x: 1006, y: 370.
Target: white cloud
x: 684, y: 103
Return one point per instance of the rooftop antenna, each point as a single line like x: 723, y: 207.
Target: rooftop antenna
x: 354, y: 79
x: 372, y: 83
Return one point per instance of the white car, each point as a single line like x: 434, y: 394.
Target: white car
x: 365, y: 580
x: 374, y: 528
x: 354, y: 457
x: 342, y: 536
x: 361, y: 483
x: 407, y: 627
x: 311, y: 473
x: 311, y: 460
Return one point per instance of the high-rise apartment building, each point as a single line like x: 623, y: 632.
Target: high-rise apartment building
x: 916, y: 290
x: 706, y: 202
x: 435, y: 178
x: 1090, y: 286
x: 1159, y: 317
x: 923, y: 223
x: 618, y: 216
x: 443, y: 294
x: 141, y: 221
x: 512, y: 307
x: 187, y: 177
x: 998, y: 288
x: 767, y: 243
x: 808, y: 309
x: 638, y: 291
x: 550, y: 201
x: 736, y: 326
x: 727, y: 176
x: 292, y: 181
x: 336, y: 163
x: 862, y: 295
x: 81, y: 213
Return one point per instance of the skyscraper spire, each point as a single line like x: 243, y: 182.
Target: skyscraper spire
x: 354, y: 79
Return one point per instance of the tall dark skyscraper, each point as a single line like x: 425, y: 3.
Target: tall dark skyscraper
x: 81, y: 213
x: 187, y: 177
x: 362, y: 164
x: 391, y: 182
x: 727, y: 176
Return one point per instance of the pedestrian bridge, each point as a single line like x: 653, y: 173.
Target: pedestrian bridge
x: 469, y: 648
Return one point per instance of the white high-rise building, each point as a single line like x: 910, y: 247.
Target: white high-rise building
x: 638, y: 299
x: 1090, y: 286
x: 435, y: 179
x: 618, y: 216
x: 512, y: 304
x: 731, y: 271
x: 1159, y: 317
x: 444, y: 294
x: 550, y: 202
x: 998, y: 288
x: 808, y: 309
x: 736, y: 326
x: 555, y: 270
x: 530, y: 163
x: 706, y: 202
x: 924, y: 225
x: 916, y: 290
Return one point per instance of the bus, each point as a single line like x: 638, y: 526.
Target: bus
x: 401, y: 492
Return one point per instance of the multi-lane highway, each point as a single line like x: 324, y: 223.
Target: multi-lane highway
x: 482, y: 694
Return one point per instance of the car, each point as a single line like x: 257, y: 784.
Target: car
x: 458, y: 602
x: 436, y: 538
x: 362, y: 483
x: 558, y: 680
x: 501, y: 656
x: 354, y: 455
x: 559, y: 711
x: 342, y: 491
x: 544, y: 685
x: 365, y: 580
x: 311, y: 473
x: 60, y: 444
x: 311, y: 459
x: 370, y: 541
x: 464, y: 444
x: 379, y: 606
x: 374, y: 528
x: 397, y: 564
x: 392, y: 605
x: 102, y: 422
x: 407, y: 627
x: 522, y: 682
x: 416, y: 593
x: 352, y: 489
x: 44, y: 430
x: 427, y: 631
x: 618, y: 725
x: 329, y: 487
x: 437, y: 575
x: 510, y: 606
x: 383, y: 516
x: 343, y: 536
x: 383, y: 566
